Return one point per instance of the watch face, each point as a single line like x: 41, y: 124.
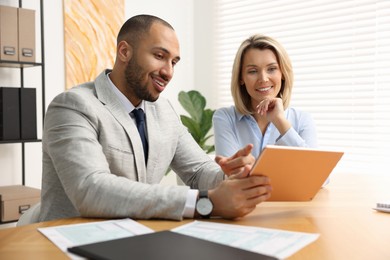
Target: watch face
x: 204, y: 206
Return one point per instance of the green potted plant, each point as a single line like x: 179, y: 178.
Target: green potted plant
x: 199, y: 122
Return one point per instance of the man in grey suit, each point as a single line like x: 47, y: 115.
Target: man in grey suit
x: 94, y: 163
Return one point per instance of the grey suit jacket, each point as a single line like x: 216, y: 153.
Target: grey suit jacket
x: 93, y: 162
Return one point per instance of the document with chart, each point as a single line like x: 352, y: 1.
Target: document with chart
x: 79, y: 234
x: 273, y: 242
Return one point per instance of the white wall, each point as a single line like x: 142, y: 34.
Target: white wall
x: 204, y: 63
x: 192, y: 22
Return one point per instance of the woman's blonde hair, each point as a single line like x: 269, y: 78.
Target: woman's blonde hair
x: 242, y: 100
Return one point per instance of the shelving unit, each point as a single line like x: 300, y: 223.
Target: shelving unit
x: 25, y: 65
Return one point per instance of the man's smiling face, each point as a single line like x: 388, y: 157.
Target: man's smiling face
x: 152, y: 64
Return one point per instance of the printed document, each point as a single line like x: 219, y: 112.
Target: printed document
x: 78, y: 234
x: 274, y: 242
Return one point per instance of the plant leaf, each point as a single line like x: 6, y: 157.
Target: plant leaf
x: 192, y: 127
x: 206, y: 122
x: 209, y: 148
x: 194, y: 103
x: 200, y: 121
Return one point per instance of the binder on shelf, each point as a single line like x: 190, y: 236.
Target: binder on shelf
x: 9, y: 114
x: 28, y: 114
x: 9, y: 33
x: 26, y: 34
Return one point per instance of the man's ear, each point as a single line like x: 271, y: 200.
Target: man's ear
x: 125, y: 51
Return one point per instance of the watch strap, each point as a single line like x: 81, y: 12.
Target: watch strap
x: 203, y: 193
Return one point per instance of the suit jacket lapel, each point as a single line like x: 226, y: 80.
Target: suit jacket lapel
x: 153, y: 128
x: 110, y: 100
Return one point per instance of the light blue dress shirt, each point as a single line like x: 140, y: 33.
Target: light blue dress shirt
x: 233, y: 130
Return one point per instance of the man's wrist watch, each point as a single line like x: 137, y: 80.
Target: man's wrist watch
x: 204, y: 206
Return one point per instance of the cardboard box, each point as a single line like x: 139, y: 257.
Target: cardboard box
x: 9, y: 113
x: 16, y: 199
x: 8, y: 33
x: 26, y: 32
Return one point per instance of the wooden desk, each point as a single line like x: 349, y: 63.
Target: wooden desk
x: 341, y: 213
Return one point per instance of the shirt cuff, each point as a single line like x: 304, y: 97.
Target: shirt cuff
x: 189, y: 208
x: 290, y: 138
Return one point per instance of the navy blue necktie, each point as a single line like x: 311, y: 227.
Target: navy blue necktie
x: 141, y: 125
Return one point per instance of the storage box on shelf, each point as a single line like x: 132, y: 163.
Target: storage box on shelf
x: 17, y: 34
x: 15, y: 200
x: 8, y: 33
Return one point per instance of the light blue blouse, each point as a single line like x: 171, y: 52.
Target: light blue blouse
x: 233, y: 130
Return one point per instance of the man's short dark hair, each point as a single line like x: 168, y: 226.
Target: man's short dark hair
x: 135, y: 27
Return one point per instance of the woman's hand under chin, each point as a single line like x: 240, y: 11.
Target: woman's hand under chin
x: 273, y: 109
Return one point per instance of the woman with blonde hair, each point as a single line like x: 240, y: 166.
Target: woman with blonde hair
x: 261, y: 86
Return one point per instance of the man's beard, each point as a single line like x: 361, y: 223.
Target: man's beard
x: 134, y: 75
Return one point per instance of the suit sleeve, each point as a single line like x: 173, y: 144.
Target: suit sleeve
x: 197, y: 169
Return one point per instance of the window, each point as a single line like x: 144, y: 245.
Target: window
x: 340, y: 52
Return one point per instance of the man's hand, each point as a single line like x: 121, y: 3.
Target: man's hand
x: 237, y: 197
x: 238, y: 165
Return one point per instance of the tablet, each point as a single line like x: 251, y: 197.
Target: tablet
x: 296, y: 173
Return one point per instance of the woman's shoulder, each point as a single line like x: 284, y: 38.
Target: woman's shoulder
x: 229, y: 112
x: 295, y: 110
x: 296, y: 113
x: 226, y: 110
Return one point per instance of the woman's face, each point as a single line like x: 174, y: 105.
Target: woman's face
x: 261, y: 75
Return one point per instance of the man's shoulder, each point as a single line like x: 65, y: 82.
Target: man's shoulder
x: 87, y: 88
x: 78, y: 96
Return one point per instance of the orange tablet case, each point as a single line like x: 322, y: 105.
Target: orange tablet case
x: 296, y: 173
